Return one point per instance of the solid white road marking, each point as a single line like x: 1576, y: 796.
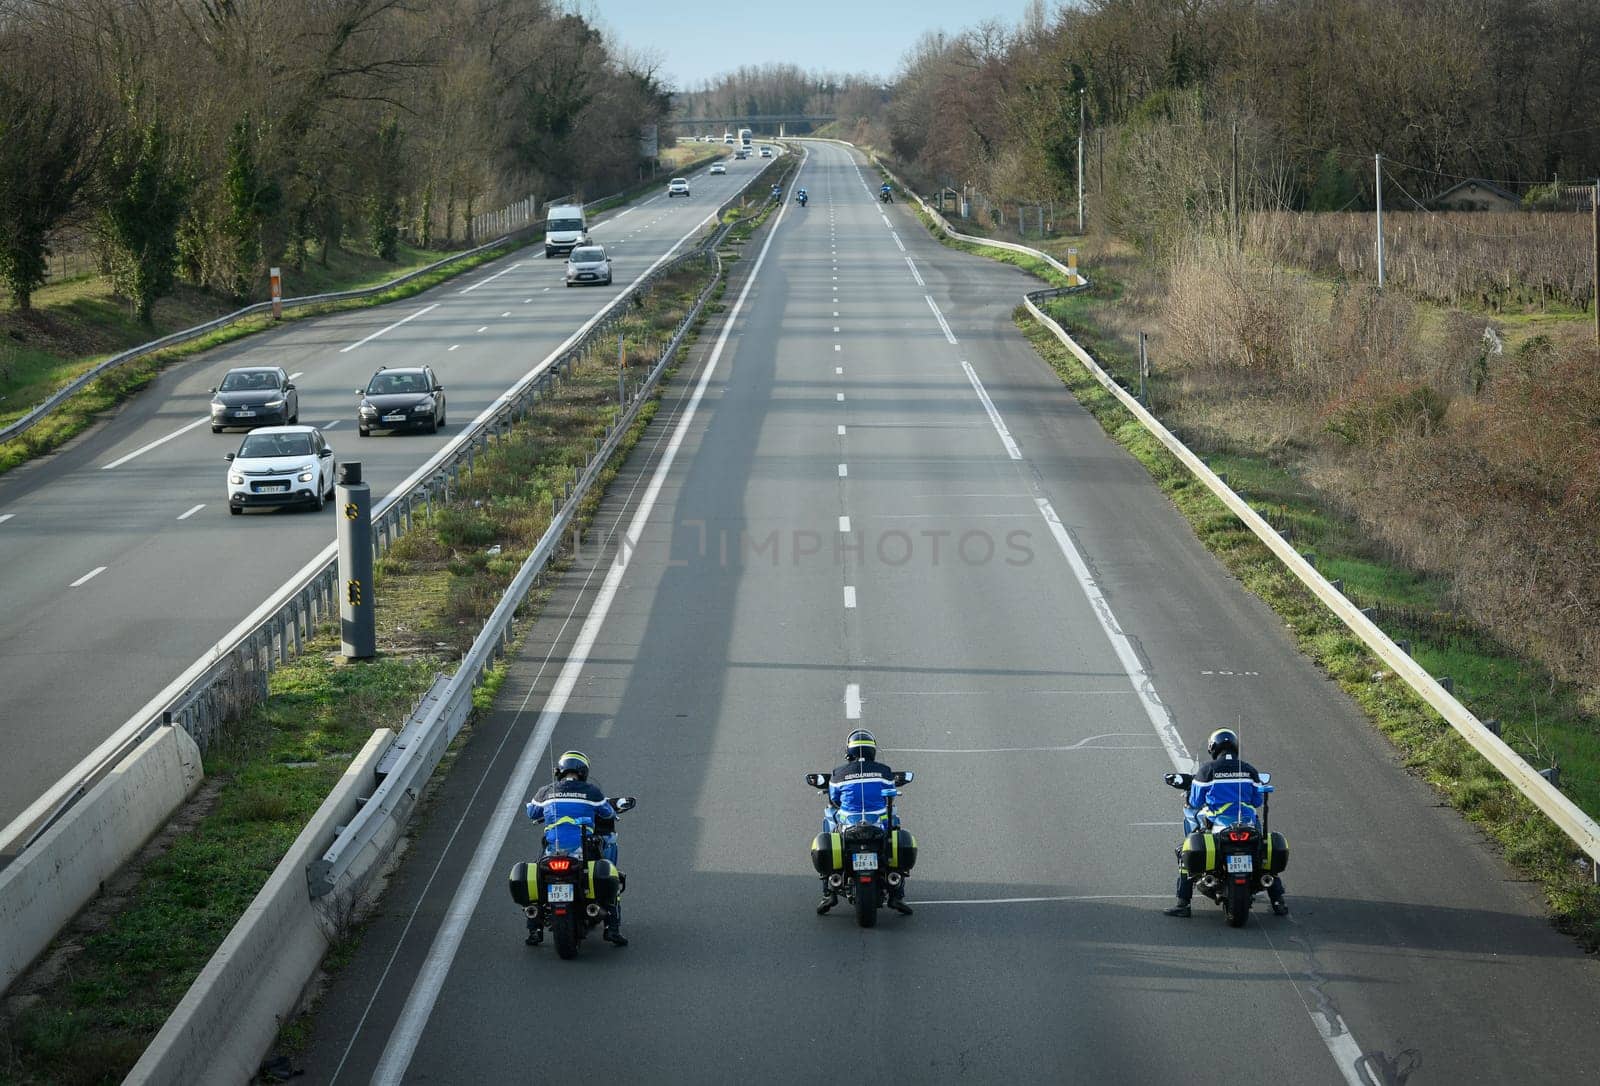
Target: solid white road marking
x: 154, y: 444
x: 492, y: 278
x: 5, y: 517
x: 944, y: 325
x: 844, y: 524
x: 852, y: 701
x: 900, y: 243
x: 850, y: 596
x: 453, y: 347
x: 408, y: 1029
x: 192, y: 512
x: 994, y: 415
x: 390, y: 328
x: 93, y: 573
x: 844, y: 471
x: 914, y: 273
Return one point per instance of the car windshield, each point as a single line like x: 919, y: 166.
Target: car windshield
x: 588, y: 256
x: 389, y: 384
x: 249, y: 381
x: 564, y: 224
x: 262, y: 446
x: 680, y: 181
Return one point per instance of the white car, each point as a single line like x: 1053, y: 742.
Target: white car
x: 678, y: 186
x: 280, y: 465
x: 766, y: 152
x: 589, y: 264
x: 718, y: 167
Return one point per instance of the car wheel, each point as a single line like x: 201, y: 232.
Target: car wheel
x: 441, y: 420
x: 363, y: 432
x: 433, y: 425
x: 569, y: 283
x: 216, y: 429
x: 608, y: 280
x: 318, y: 500
x: 235, y: 510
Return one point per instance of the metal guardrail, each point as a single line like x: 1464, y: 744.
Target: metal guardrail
x: 232, y: 675
x: 1568, y: 816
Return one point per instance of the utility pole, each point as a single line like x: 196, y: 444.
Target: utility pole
x: 1377, y: 161
x: 1080, y: 159
x: 1238, y: 222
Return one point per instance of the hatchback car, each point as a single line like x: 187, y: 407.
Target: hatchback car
x: 718, y: 167
x: 254, y: 396
x: 766, y: 152
x: 280, y: 465
x: 589, y: 264
x: 678, y: 186
x: 409, y: 398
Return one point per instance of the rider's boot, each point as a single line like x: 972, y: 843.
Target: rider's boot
x: 828, y: 901
x: 535, y: 933
x: 1180, y: 909
x: 613, y: 929
x: 897, y: 902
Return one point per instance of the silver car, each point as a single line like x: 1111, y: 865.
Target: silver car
x: 678, y: 186
x: 588, y: 264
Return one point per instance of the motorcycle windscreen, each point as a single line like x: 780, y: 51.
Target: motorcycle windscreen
x: 1234, y: 802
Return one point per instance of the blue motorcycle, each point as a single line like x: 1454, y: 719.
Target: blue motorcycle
x: 1229, y: 850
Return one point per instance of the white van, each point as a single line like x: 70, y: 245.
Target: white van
x: 565, y: 229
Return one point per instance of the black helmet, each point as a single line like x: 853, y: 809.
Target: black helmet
x: 1223, y: 739
x: 573, y: 761
x: 860, y: 747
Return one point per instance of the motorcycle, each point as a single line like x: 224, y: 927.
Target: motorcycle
x: 1233, y: 855
x: 865, y: 861
x: 802, y: 199
x: 570, y: 887
x: 885, y: 196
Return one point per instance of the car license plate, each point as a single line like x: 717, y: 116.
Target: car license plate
x: 559, y: 891
x: 864, y: 861
x: 1241, y: 864
x: 245, y: 414
x: 586, y: 275
x: 272, y: 488
x: 394, y: 418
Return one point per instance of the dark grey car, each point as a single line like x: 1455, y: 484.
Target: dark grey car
x: 254, y: 396
x: 409, y: 398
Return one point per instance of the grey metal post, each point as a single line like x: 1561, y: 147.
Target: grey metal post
x: 358, y: 634
x: 1144, y: 371
x: 1377, y: 164
x: 1080, y: 159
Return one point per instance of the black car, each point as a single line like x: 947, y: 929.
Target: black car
x: 401, y: 399
x: 254, y: 396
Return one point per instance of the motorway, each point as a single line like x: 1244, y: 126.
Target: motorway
x: 869, y: 502
x: 119, y: 562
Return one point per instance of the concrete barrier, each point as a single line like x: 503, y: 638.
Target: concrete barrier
x: 67, y: 865
x: 230, y: 1016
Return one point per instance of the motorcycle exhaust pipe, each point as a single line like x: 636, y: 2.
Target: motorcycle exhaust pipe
x: 592, y: 910
x: 1209, y: 881
x: 1266, y: 881
x: 893, y: 878
x: 531, y: 912
x: 835, y: 881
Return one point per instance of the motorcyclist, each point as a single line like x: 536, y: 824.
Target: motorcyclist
x: 567, y: 806
x: 1225, y: 768
x: 777, y: 192
x: 800, y: 194
x: 855, y: 795
x: 885, y: 193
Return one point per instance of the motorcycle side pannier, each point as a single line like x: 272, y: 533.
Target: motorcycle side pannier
x: 827, y: 853
x: 524, y: 884
x: 1199, y: 854
x: 605, y: 882
x: 1275, y: 853
x: 901, y: 851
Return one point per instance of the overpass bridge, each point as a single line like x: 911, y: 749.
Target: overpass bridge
x: 752, y: 120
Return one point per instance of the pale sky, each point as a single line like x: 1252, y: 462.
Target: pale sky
x: 697, y: 40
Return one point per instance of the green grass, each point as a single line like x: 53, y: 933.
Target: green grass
x: 434, y: 588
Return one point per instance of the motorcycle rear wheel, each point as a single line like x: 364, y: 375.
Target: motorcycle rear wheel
x: 1237, y: 906
x: 565, y: 929
x: 865, y: 899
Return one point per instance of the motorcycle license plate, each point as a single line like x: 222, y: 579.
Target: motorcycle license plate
x: 864, y: 861
x: 1240, y: 864
x: 559, y: 891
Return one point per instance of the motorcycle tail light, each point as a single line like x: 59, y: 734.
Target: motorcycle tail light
x: 561, y: 863
x: 1238, y: 835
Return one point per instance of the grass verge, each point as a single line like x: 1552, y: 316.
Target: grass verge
x: 106, y: 988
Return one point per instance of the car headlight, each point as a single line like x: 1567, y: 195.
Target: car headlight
x: 368, y: 409
x: 274, y: 403
x: 424, y: 405
x: 235, y: 478
x: 307, y: 474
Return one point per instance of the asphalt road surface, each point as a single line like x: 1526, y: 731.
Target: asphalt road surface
x: 872, y: 504
x: 119, y: 562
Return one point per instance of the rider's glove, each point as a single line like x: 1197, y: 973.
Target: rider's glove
x: 1174, y: 779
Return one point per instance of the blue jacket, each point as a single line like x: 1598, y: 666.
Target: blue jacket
x: 566, y: 808
x: 856, y: 788
x: 1225, y: 785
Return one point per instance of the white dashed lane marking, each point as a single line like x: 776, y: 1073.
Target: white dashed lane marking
x: 852, y: 701
x: 844, y: 522
x: 191, y: 512
x: 850, y: 596
x: 87, y: 577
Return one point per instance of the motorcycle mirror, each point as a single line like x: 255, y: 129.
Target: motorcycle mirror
x: 904, y: 778
x: 625, y: 803
x: 1266, y: 778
